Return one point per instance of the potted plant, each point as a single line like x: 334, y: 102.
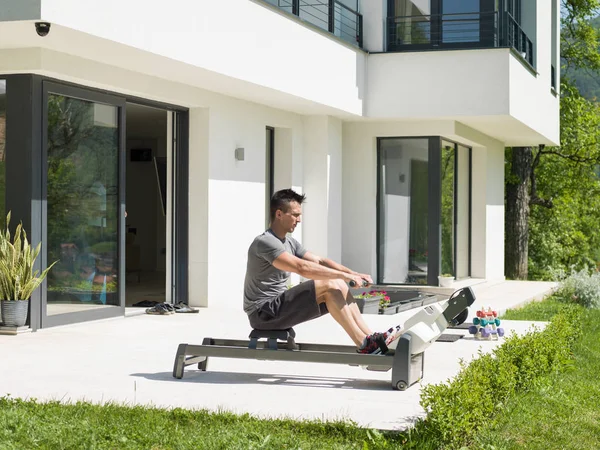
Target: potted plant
x: 446, y: 279
x: 17, y: 278
x: 373, y: 301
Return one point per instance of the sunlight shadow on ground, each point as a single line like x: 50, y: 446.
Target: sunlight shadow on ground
x: 233, y: 378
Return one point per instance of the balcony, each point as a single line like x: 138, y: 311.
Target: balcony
x: 333, y: 16
x: 458, y: 31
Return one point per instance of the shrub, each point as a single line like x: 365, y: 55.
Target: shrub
x: 581, y: 287
x: 458, y: 409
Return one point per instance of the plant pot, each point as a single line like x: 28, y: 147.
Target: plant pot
x: 369, y: 305
x: 445, y: 281
x: 14, y: 313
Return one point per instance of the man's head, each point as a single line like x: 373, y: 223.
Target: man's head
x: 286, y: 209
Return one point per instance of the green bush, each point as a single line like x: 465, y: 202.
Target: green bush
x: 458, y: 409
x: 581, y: 287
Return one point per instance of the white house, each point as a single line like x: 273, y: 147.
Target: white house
x: 143, y: 138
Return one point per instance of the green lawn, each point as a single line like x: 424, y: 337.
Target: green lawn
x: 30, y: 425
x: 535, y: 311
x: 563, y: 412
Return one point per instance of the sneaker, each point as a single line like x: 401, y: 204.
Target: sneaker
x: 158, y: 310
x: 374, y: 344
x: 391, y: 334
x: 183, y: 308
x: 168, y: 307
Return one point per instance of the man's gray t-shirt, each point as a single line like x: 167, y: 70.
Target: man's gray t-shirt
x: 263, y: 280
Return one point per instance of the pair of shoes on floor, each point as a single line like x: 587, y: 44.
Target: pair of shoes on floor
x: 161, y: 309
x: 183, y: 308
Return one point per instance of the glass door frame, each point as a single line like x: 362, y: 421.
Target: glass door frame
x: 469, y: 200
x: 434, y: 220
x: 26, y: 162
x: 434, y: 228
x: 49, y: 88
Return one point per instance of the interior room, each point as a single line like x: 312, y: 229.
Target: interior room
x: 146, y: 205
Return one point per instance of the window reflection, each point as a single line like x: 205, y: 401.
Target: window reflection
x: 82, y: 198
x: 447, y: 213
x: 404, y: 196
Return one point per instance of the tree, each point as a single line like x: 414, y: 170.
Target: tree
x: 580, y: 137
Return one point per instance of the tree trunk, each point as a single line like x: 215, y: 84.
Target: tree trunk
x: 516, y: 219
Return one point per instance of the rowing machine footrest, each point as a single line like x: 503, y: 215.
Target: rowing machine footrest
x: 272, y: 337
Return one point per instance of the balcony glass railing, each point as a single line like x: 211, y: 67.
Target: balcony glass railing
x: 333, y: 16
x: 456, y: 31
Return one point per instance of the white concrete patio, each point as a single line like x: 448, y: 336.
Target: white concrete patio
x: 130, y: 360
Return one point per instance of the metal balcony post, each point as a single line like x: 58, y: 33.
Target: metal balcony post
x: 360, y: 31
x: 331, y: 21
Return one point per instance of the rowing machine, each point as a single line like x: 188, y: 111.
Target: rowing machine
x: 405, y: 355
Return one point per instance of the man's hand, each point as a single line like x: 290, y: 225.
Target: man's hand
x: 356, y: 278
x: 365, y: 277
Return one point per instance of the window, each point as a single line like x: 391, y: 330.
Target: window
x: 424, y: 210
x: 403, y: 210
x: 441, y: 23
x: 82, y: 186
x: 513, y: 7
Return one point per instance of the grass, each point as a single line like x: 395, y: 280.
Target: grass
x: 535, y: 311
x: 28, y: 424
x: 563, y: 412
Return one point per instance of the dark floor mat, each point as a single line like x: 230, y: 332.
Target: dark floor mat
x: 462, y: 326
x: 449, y: 337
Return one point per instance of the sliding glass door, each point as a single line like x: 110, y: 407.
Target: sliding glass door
x: 423, y: 210
x: 84, y: 205
x: 403, y: 234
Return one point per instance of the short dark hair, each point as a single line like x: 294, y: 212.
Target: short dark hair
x: 282, y: 199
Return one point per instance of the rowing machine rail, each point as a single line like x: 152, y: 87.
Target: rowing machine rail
x: 406, y: 360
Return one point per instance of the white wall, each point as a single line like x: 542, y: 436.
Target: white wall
x: 236, y: 190
x: 199, y: 123
x: 489, y: 90
x: 322, y: 163
x: 241, y: 39
x: 438, y: 84
x: 487, y: 241
x: 374, y: 14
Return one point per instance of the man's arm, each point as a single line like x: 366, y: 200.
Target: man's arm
x: 312, y: 270
x: 333, y: 265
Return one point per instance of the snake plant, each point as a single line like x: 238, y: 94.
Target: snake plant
x: 17, y: 278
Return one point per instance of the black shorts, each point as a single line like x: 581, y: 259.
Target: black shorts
x: 294, y: 306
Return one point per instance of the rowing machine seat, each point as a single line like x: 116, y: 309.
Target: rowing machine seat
x: 272, y: 337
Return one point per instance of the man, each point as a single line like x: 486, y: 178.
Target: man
x: 269, y: 303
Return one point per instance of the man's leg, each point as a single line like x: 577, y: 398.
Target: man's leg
x: 334, y: 294
x: 356, y: 312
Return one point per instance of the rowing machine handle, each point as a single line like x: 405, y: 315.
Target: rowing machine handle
x: 352, y: 283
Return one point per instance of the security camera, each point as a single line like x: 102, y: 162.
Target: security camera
x: 42, y: 28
